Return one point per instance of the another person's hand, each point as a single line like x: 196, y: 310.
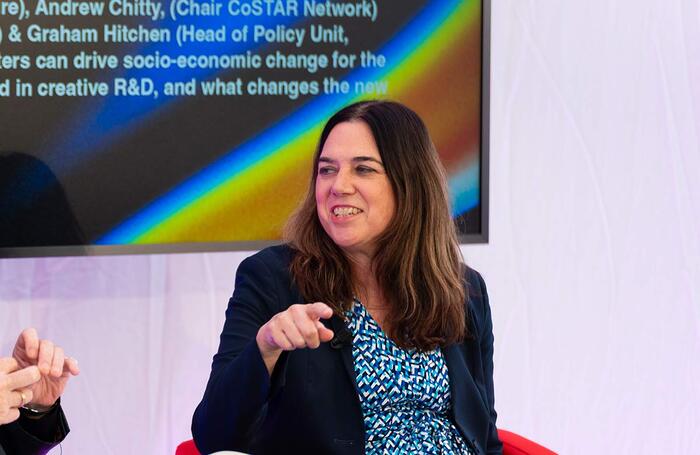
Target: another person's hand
x: 55, y: 368
x: 297, y: 327
x: 14, y: 391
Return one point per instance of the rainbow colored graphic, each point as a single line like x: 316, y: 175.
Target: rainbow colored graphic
x: 248, y: 194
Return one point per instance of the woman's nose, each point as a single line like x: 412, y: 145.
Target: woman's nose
x: 342, y: 184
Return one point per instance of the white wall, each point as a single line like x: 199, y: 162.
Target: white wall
x: 594, y: 259
x: 593, y: 264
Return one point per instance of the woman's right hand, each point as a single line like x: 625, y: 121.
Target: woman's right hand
x: 14, y: 388
x: 298, y: 327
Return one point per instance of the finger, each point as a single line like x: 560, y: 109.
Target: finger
x: 22, y: 378
x: 307, y: 328
x: 28, y: 396
x: 293, y: 335
x: 57, y: 362
x: 287, y: 325
x: 71, y: 366
x: 325, y: 334
x: 319, y: 310
x: 274, y: 337
x: 8, y: 365
x: 29, y: 341
x: 279, y: 339
x: 45, y: 356
x: 19, y: 398
x: 9, y: 416
x: 15, y: 399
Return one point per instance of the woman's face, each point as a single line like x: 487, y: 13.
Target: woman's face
x: 354, y: 198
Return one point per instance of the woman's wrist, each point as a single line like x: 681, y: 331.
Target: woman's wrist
x: 270, y: 359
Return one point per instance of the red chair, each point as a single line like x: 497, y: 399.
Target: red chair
x: 187, y: 448
x: 512, y: 445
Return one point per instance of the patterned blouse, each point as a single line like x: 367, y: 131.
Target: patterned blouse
x: 404, y: 394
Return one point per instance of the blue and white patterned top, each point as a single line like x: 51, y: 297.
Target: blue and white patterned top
x: 404, y: 394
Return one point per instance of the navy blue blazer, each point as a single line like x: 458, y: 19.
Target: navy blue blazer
x: 311, y: 403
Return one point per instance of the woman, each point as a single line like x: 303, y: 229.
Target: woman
x: 364, y: 333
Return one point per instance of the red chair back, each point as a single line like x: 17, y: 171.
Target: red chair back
x: 514, y: 444
x: 187, y: 448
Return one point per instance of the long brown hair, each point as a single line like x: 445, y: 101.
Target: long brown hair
x: 418, y: 264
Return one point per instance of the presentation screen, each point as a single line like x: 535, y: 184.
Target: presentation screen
x: 188, y: 125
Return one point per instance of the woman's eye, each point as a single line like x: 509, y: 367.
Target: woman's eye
x: 364, y: 170
x: 325, y: 170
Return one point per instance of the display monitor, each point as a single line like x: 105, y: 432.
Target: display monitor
x: 185, y: 125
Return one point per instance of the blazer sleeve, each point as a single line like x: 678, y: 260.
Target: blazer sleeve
x: 493, y: 444
x: 27, y: 436
x: 239, y: 385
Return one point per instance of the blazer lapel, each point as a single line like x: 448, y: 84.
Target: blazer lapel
x: 467, y: 405
x: 342, y: 341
